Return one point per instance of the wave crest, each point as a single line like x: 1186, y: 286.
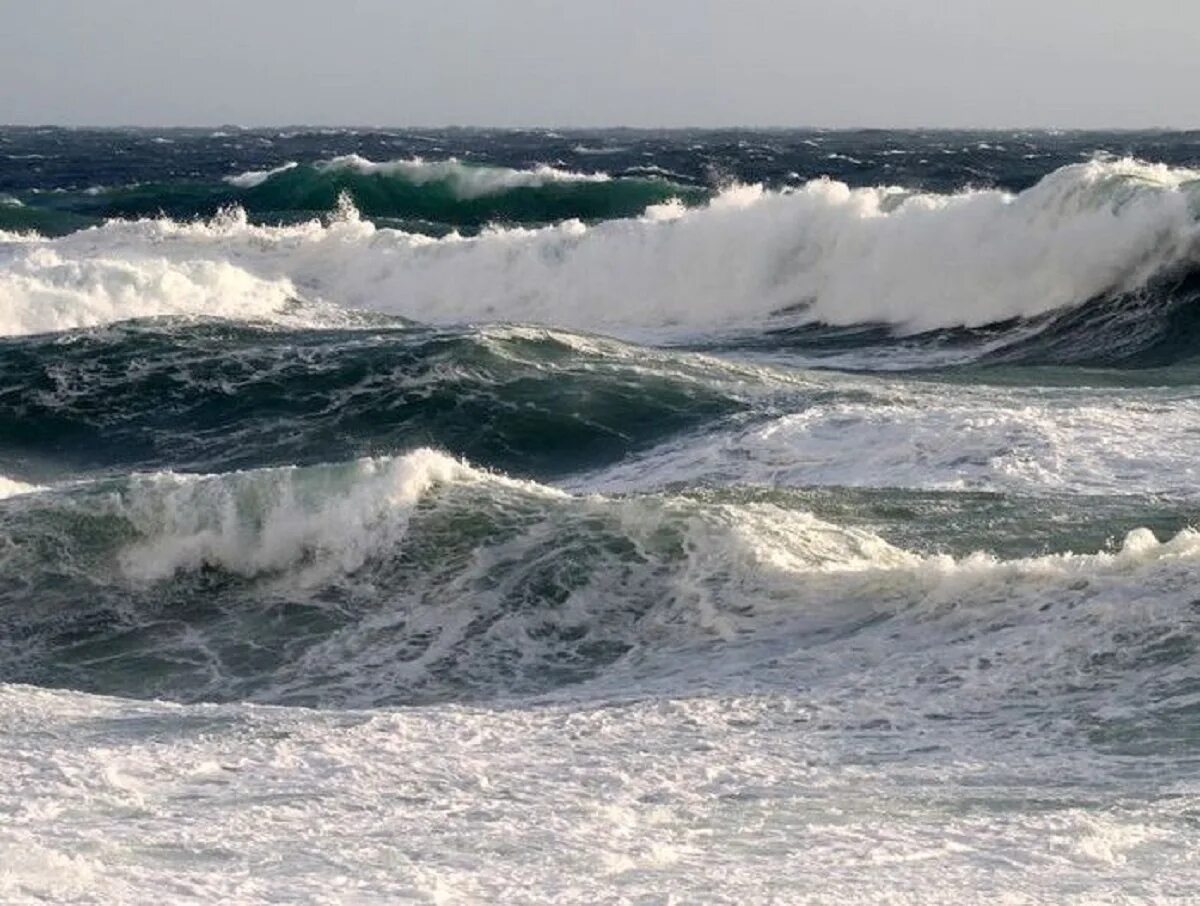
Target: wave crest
x: 318, y: 521
x: 418, y: 578
x: 466, y: 181
x: 750, y: 259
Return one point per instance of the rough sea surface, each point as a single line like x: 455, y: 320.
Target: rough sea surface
x: 599, y: 517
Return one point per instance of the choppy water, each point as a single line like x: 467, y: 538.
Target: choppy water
x: 599, y: 517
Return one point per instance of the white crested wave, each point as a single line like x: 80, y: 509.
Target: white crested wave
x: 44, y: 287
x: 322, y: 520
x: 444, y: 577
x: 465, y: 180
x: 252, y: 178
x: 822, y: 252
x: 735, y: 573
x: 743, y: 575
x: 725, y: 567
x: 329, y: 519
x: 11, y: 488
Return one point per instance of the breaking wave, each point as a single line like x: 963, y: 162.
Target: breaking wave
x: 432, y: 196
x: 465, y: 181
x: 417, y: 578
x: 747, y: 260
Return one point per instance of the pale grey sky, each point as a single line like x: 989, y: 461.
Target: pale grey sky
x: 1069, y: 63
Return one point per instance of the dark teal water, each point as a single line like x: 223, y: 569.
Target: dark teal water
x: 284, y: 505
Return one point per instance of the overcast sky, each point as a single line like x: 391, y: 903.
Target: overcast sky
x: 1068, y: 63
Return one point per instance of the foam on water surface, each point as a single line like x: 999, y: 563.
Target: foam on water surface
x: 821, y: 253
x: 393, y: 516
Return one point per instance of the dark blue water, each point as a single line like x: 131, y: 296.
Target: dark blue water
x: 69, y: 177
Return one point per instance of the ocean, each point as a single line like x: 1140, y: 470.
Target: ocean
x: 611, y: 516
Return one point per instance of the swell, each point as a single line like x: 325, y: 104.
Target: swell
x: 432, y: 196
x: 419, y: 578
x: 749, y: 260
x: 212, y: 396
x: 43, y: 221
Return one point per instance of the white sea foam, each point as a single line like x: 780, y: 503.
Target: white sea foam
x: 252, y: 178
x: 328, y: 519
x: 11, y: 488
x: 596, y: 149
x: 692, y: 798
x: 466, y: 180
x: 984, y: 438
x: 821, y: 252
x: 45, y: 287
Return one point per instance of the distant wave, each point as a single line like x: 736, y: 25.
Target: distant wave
x: 445, y: 194
x: 253, y: 178
x: 465, y: 181
x: 748, y: 259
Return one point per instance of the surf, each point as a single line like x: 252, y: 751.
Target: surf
x: 749, y: 259
x: 418, y: 578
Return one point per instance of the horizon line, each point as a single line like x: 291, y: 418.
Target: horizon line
x: 592, y: 128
